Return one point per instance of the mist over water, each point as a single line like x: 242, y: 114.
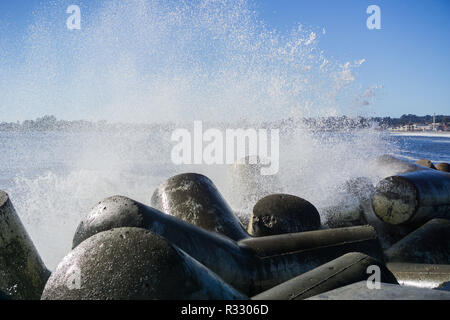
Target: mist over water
x: 142, y: 61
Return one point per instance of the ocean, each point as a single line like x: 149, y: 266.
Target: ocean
x: 430, y: 146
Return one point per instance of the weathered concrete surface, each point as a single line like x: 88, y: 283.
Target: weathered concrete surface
x: 388, y: 165
x: 249, y: 269
x: 290, y: 255
x: 426, y: 163
x: 133, y: 263
x: 195, y: 199
x: 413, y: 198
x: 304, y: 241
x: 359, y: 291
x: 388, y: 234
x: 429, y: 244
x: 443, y: 166
x: 22, y: 273
x: 347, y: 269
x: 218, y: 253
x: 112, y: 212
x: 421, y: 275
x: 283, y: 213
x: 345, y: 214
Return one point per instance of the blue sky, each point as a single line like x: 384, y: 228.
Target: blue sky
x: 409, y: 56
x: 408, y: 59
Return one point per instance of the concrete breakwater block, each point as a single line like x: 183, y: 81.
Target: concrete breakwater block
x: 363, y: 236
x: 426, y: 163
x: 284, y: 257
x: 249, y: 266
x: 430, y: 276
x: 195, y: 199
x: 413, y: 198
x: 429, y: 244
x: 345, y: 214
x: 133, y: 263
x: 283, y: 213
x: 22, y: 273
x: 347, y: 269
x: 443, y: 166
x: 387, y: 165
x: 217, y: 252
x: 388, y: 234
x: 360, y: 291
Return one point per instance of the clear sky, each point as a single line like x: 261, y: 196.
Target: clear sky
x: 408, y: 59
x: 409, y: 56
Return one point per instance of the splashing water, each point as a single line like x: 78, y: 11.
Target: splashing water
x: 142, y: 61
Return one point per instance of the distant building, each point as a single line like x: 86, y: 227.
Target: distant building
x: 442, y: 127
x: 414, y: 127
x: 408, y: 127
x: 424, y: 127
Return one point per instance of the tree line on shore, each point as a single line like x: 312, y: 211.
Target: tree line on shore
x: 51, y: 123
x: 407, y: 119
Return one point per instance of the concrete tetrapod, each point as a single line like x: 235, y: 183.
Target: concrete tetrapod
x: 388, y: 234
x: 328, y: 239
x: 195, y: 199
x: 345, y: 214
x: 283, y: 213
x: 443, y: 166
x: 429, y: 244
x: 426, y: 163
x: 135, y: 264
x: 252, y: 265
x: 360, y: 291
x: 421, y: 275
x: 413, y: 198
x: 387, y: 165
x: 22, y: 273
x: 347, y: 269
x: 290, y: 255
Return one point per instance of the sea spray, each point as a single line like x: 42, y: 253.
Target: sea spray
x: 171, y: 62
